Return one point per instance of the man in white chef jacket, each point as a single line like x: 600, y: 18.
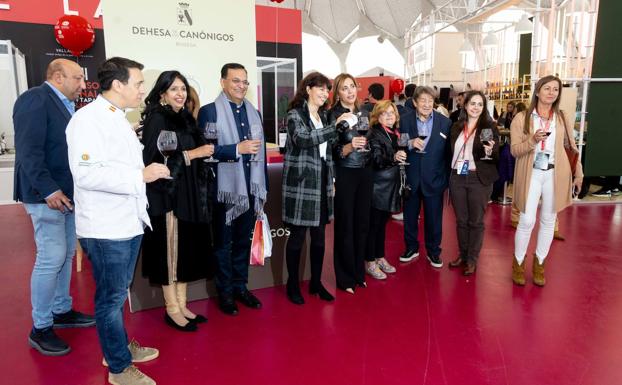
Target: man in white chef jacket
x: 109, y: 176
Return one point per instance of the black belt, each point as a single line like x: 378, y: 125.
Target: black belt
x: 549, y: 167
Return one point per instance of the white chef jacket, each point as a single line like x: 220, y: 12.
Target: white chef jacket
x: 106, y: 161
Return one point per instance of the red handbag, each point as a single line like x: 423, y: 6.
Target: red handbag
x: 573, y: 156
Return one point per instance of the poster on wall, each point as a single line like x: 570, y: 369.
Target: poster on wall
x: 194, y: 37
x: 29, y: 26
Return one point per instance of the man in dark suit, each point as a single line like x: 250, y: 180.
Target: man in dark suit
x: 427, y: 175
x: 241, y: 185
x: 43, y: 183
x: 455, y: 115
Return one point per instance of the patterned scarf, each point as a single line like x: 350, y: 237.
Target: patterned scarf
x: 231, y: 181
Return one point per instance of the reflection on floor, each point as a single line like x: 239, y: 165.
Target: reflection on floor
x: 420, y: 326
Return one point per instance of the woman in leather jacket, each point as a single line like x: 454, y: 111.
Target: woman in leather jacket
x: 353, y: 188
x: 383, y: 138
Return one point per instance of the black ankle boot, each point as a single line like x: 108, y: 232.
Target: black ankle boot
x: 321, y: 291
x: 294, y: 295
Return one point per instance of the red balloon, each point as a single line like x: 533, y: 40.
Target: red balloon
x: 74, y: 33
x: 397, y: 86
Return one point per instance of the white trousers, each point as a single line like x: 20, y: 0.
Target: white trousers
x: 541, y: 185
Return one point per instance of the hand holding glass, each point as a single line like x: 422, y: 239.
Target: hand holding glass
x: 402, y: 145
x: 211, y: 137
x: 362, y: 128
x: 167, y: 145
x: 486, y: 136
x: 256, y: 133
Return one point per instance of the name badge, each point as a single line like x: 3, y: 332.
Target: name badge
x: 541, y: 161
x: 462, y: 167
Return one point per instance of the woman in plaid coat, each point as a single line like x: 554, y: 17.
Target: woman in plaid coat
x: 308, y: 181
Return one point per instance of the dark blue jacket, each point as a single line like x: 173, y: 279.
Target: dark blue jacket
x: 41, y: 165
x: 429, y: 171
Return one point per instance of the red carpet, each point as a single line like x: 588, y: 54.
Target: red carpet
x: 420, y: 326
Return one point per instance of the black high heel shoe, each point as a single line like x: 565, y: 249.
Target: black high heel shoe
x: 321, y: 291
x: 198, y: 319
x: 189, y: 327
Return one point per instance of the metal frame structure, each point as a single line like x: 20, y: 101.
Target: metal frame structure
x: 276, y: 62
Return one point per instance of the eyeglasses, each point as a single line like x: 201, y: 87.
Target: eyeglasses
x: 388, y: 114
x: 238, y: 82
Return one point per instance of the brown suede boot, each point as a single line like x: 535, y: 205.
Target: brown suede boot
x: 538, y: 272
x: 518, y: 272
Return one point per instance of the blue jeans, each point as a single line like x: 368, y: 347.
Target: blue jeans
x: 113, y: 263
x: 55, y: 237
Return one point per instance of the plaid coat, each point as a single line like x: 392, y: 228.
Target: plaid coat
x: 302, y: 169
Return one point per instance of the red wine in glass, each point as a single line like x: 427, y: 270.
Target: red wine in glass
x: 422, y: 137
x: 211, y: 137
x: 167, y: 145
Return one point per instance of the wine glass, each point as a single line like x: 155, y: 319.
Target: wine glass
x: 402, y: 145
x: 167, y: 145
x: 256, y: 133
x: 422, y: 135
x: 362, y: 128
x: 211, y: 137
x: 486, y: 136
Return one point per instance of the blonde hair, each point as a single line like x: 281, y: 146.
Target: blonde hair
x: 337, y: 83
x: 380, y: 107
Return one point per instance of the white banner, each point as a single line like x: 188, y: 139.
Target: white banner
x: 195, y: 37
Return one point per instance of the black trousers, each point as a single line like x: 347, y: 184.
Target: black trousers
x: 294, y: 248
x: 232, y: 245
x: 353, y: 192
x: 469, y: 198
x: 375, y: 241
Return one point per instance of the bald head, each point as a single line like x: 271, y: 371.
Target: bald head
x: 67, y: 77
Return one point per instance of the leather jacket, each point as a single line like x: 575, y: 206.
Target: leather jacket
x: 354, y: 159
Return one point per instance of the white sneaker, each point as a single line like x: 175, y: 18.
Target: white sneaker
x: 374, y: 271
x: 385, y: 266
x: 139, y: 353
x: 398, y: 217
x: 130, y: 376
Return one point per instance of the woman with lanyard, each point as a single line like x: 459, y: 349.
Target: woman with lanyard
x: 383, y: 138
x: 542, y: 170
x: 308, y: 181
x: 474, y: 142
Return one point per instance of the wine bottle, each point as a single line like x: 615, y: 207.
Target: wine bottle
x: 282, y: 136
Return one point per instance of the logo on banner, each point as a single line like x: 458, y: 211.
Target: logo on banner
x: 184, y: 14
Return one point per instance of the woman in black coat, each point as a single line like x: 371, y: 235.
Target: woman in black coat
x: 177, y: 249
x: 473, y: 171
x: 386, y: 181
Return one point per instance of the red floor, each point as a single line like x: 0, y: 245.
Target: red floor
x: 421, y: 326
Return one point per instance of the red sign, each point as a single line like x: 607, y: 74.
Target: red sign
x: 32, y: 11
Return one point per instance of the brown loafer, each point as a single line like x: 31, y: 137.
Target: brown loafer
x: 456, y: 262
x: 469, y: 269
x: 557, y: 235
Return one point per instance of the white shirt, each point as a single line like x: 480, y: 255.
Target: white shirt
x: 549, y: 144
x: 318, y: 124
x: 106, y: 161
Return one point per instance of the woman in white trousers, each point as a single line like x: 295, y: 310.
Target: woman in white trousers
x: 542, y: 172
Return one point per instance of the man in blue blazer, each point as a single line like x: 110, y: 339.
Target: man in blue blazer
x: 241, y: 184
x: 44, y: 184
x: 427, y: 175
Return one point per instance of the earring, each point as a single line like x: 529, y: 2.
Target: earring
x: 163, y: 102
